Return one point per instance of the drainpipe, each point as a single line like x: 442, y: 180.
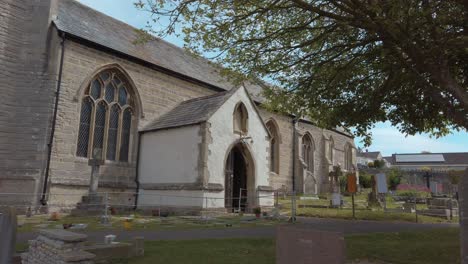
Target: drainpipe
x: 137, y: 178
x: 294, y: 121
x: 54, y: 121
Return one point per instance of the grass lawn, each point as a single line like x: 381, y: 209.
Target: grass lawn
x: 209, y: 251
x: 143, y: 223
x: 440, y: 246
x: 429, y: 247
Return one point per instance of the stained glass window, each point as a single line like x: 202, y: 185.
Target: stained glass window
x: 113, y: 132
x: 126, y: 124
x: 99, y: 125
x: 122, y: 96
x: 110, y: 91
x: 308, y: 152
x: 102, y: 119
x: 95, y: 89
x: 274, y: 146
x: 83, y: 132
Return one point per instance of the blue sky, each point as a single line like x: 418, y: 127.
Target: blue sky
x: 386, y: 138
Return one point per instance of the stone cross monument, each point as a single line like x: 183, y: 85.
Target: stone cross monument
x: 96, y: 161
x: 92, y: 204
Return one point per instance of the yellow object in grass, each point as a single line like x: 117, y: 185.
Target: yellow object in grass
x: 127, y: 225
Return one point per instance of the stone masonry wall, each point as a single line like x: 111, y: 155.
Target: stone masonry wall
x: 159, y: 93
x: 321, y: 168
x: 28, y: 73
x: 29, y: 56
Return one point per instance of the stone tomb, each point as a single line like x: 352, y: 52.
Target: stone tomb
x: 302, y: 245
x: 57, y: 246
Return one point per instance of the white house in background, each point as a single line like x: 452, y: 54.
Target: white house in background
x: 364, y: 157
x: 433, y: 161
x: 212, y: 147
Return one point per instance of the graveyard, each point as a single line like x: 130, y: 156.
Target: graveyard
x: 156, y: 131
x: 406, y: 247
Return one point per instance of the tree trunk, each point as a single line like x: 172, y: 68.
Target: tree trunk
x: 463, y: 203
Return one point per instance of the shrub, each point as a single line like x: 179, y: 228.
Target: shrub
x: 394, y: 179
x: 370, y: 164
x: 365, y: 180
x: 379, y: 164
x: 343, y: 181
x: 257, y: 210
x: 413, y: 193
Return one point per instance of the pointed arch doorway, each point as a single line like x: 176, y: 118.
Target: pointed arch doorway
x: 239, y: 179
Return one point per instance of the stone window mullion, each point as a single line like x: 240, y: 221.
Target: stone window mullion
x: 106, y: 131
x: 110, y: 115
x: 119, y: 135
x: 91, y: 130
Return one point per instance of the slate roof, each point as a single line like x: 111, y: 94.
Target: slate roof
x: 389, y: 159
x: 83, y: 22
x: 451, y: 158
x: 370, y: 154
x: 190, y: 112
x: 86, y: 23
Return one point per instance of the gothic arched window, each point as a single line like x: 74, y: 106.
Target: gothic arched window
x: 308, y: 149
x: 330, y: 150
x: 106, y: 118
x: 241, y: 118
x: 274, y: 146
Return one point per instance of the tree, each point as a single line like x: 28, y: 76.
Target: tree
x: 340, y: 63
x: 379, y: 164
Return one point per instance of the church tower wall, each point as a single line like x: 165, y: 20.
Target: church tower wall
x: 28, y: 68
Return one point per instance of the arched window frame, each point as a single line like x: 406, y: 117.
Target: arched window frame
x: 274, y: 145
x: 348, y: 157
x: 123, y: 99
x: 329, y: 150
x: 308, y: 151
x: 240, y: 119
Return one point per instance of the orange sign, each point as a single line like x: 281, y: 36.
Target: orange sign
x: 352, y: 186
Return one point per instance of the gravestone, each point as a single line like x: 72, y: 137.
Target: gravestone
x: 300, y: 245
x: 8, y: 234
x: 463, y: 205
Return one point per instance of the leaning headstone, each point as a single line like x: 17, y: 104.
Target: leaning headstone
x: 301, y: 245
x: 8, y: 234
x: 138, y: 246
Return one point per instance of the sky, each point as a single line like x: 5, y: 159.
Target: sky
x: 386, y: 139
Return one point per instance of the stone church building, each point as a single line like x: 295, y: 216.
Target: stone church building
x: 166, y: 123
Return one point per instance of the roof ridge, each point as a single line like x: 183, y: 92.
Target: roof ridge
x: 205, y: 97
x: 215, y: 66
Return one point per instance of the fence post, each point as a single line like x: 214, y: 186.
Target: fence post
x: 106, y: 208
x: 415, y: 209
x: 206, y: 210
x: 160, y: 203
x: 240, y: 199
